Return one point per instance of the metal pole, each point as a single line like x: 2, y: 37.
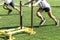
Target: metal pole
x: 31, y: 14
x: 21, y: 14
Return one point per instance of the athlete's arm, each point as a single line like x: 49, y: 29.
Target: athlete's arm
x: 37, y: 3
x: 28, y: 2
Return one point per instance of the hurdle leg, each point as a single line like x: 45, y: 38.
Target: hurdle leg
x: 21, y: 14
x: 10, y: 36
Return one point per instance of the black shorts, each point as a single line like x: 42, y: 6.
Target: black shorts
x: 11, y: 4
x: 46, y: 9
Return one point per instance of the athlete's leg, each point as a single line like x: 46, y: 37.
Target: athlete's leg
x: 5, y: 7
x: 40, y: 16
x: 39, y: 11
x: 14, y: 7
x: 53, y: 17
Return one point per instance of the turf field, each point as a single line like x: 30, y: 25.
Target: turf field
x: 46, y: 32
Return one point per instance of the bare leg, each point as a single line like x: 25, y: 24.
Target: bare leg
x: 40, y: 16
x: 16, y: 8
x: 53, y: 17
x: 5, y: 7
x: 39, y: 13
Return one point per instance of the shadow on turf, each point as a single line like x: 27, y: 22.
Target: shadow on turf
x: 41, y: 26
x: 48, y: 25
x: 8, y: 15
x: 9, y: 27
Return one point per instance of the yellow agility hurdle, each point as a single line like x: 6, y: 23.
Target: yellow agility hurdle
x: 10, y: 32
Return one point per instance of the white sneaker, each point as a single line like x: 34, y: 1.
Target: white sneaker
x: 42, y: 22
x: 57, y: 23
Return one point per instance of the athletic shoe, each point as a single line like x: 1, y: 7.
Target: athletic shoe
x: 9, y: 11
x: 57, y: 23
x: 42, y: 22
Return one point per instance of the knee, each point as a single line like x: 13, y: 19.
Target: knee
x: 38, y: 13
x: 4, y: 7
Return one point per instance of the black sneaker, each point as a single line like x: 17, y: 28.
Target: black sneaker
x: 9, y: 11
x: 42, y: 22
x: 57, y: 23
